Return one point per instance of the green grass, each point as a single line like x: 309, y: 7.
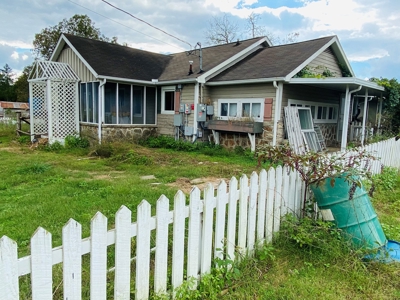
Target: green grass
x: 46, y: 187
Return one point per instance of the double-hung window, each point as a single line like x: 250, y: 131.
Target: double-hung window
x: 251, y: 108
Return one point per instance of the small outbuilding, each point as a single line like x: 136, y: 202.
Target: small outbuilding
x: 54, y: 98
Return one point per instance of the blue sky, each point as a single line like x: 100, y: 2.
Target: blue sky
x: 369, y: 30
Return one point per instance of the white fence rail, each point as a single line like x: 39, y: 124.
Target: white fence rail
x: 240, y: 217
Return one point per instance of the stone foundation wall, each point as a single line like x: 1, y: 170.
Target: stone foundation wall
x: 329, y: 133
x: 111, y: 133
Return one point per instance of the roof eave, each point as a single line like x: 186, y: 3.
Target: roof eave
x: 341, y: 80
x: 146, y: 82
x: 244, y: 81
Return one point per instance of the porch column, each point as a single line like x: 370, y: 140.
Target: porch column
x: 345, y: 120
x: 346, y: 116
x: 379, y: 114
x: 364, y: 117
x: 278, y: 110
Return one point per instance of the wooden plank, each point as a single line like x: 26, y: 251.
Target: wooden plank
x: 143, y: 250
x: 178, y: 244
x: 269, y: 212
x: 262, y: 196
x: 41, y: 276
x: 72, y: 260
x: 243, y: 208
x: 231, y: 225
x: 9, y: 288
x: 194, y: 235
x: 220, y: 220
x: 285, y: 190
x: 123, y: 219
x: 292, y: 193
x: 98, y: 257
x: 278, y: 198
x: 252, y: 213
x: 161, y: 259
x: 207, y: 234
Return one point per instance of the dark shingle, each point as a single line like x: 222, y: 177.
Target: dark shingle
x: 276, y: 61
x: 119, y: 61
x: 178, y: 67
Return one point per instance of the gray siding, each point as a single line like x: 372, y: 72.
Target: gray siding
x: 265, y: 90
x: 68, y: 56
x: 165, y: 123
x: 326, y: 59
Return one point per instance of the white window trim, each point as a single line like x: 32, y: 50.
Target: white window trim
x: 239, y: 102
x: 316, y: 104
x: 163, y: 90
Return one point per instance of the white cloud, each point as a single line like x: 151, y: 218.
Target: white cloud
x: 25, y: 57
x: 361, y: 57
x: 16, y: 44
x: 15, y: 55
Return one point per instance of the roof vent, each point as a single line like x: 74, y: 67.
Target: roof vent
x: 190, y: 67
x: 237, y: 42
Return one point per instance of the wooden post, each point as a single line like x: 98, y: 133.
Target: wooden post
x: 18, y: 123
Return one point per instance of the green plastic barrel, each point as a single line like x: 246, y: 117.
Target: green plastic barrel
x: 356, y: 217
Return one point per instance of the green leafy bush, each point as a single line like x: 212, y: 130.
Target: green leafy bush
x: 72, y: 141
x: 386, y: 180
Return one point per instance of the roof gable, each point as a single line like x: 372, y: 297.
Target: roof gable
x: 282, y: 61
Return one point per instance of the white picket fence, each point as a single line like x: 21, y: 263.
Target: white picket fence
x: 246, y: 215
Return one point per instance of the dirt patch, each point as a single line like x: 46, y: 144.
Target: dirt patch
x: 109, y: 176
x: 186, y: 185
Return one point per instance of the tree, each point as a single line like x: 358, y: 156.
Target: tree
x: 392, y: 102
x: 221, y: 31
x: 7, y: 92
x: 21, y: 85
x: 80, y: 25
x: 253, y: 28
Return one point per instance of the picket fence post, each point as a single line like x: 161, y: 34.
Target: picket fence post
x: 9, y: 288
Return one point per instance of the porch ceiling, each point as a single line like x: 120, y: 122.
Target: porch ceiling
x: 340, y: 84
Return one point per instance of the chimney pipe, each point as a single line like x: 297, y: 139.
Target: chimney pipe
x: 190, y: 67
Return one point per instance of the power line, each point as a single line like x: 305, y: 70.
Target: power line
x: 125, y: 25
x: 146, y: 23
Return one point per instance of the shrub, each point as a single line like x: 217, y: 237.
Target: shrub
x: 72, y: 141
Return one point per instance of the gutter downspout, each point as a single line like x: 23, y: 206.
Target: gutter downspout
x: 345, y: 127
x: 364, y: 117
x: 101, y: 105
x: 278, y: 102
x: 196, y: 101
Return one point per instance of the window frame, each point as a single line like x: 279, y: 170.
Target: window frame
x: 84, y: 105
x: 239, y: 112
x: 317, y: 105
x: 165, y: 89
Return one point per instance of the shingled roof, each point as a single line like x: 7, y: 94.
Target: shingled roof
x: 178, y: 66
x: 124, y: 62
x: 119, y: 61
x: 113, y: 60
x: 275, y: 61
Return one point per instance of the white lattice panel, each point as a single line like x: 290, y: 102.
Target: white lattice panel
x: 63, y: 109
x: 39, y: 107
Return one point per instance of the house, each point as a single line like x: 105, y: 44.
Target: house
x: 234, y: 94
